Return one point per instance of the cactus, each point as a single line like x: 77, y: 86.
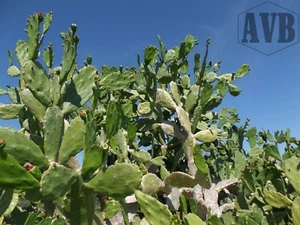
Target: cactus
x: 37, y: 108
x: 157, y: 149
x: 277, y: 200
x: 10, y: 111
x: 57, y: 181
x: 151, y: 184
x: 14, y: 175
x: 22, y: 148
x: 117, y: 181
x: 94, y: 157
x: 78, y: 89
x: 191, y: 219
x: 72, y: 141
x: 21, y: 51
x: 53, y: 132
x: 291, y: 170
x: 155, y: 212
x: 37, y: 82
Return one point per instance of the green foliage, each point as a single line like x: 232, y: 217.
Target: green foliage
x: 155, y: 148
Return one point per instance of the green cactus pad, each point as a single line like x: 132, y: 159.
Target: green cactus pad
x: 242, y: 71
x: 93, y: 159
x: 113, y: 118
x: 276, y: 199
x: 144, y: 108
x: 22, y: 51
x: 240, y: 163
x: 57, y: 181
x: 164, y: 99
x: 47, y: 21
x: 154, y: 211
x: 48, y: 56
x: 53, y: 132
x: 110, y: 208
x: 175, y: 93
x: 184, y: 119
x: 234, y: 90
x: 69, y: 54
x: 151, y: 184
x: 192, y: 219
x: 10, y: 111
x: 33, y: 35
x: 141, y: 156
x: 79, y: 206
x: 37, y: 109
x: 13, y: 71
x: 199, y: 160
x: 292, y: 172
x: 79, y: 89
x: 296, y: 210
x: 37, y: 81
x: 185, y: 82
x: 72, y: 142
x: 22, y: 148
x: 207, y: 135
x: 118, y: 181
x: 163, y: 75
x: 55, y: 91
x: 180, y: 179
x: 13, y: 175
x: 191, y: 99
x: 116, y: 80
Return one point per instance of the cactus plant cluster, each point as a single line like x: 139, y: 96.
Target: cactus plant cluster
x: 155, y: 148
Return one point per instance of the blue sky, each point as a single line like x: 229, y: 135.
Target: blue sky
x: 113, y: 32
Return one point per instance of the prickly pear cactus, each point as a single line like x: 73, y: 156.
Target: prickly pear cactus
x: 155, y: 148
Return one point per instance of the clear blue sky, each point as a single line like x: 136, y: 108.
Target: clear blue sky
x: 113, y: 32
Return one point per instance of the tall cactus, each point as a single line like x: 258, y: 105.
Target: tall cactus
x: 155, y: 149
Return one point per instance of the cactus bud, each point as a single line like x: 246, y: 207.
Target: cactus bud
x: 97, y: 77
x: 89, y: 60
x: 76, y: 39
x: 28, y: 166
x: 40, y: 17
x: 82, y: 114
x: 73, y: 27
x: 104, y: 199
x: 2, y: 143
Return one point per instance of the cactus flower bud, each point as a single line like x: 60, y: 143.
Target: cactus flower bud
x: 40, y: 17
x: 89, y: 60
x: 2, y: 143
x: 28, y: 166
x: 74, y: 27
x: 104, y: 199
x: 76, y: 39
x: 82, y: 114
